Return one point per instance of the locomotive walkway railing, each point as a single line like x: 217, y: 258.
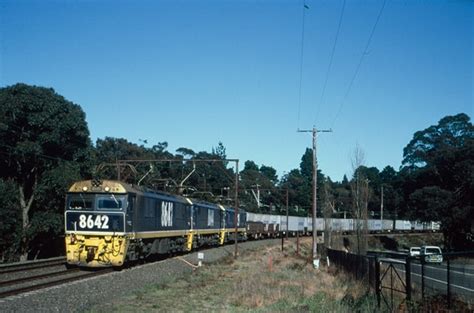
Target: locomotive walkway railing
x: 402, y: 282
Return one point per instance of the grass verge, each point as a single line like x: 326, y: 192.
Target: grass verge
x: 264, y: 280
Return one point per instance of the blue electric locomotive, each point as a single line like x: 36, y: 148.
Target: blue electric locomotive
x: 109, y: 223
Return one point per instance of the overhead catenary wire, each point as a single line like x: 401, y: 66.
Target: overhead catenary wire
x: 305, y: 7
x: 320, y: 104
x: 356, y: 72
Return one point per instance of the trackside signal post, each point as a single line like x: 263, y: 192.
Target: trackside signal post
x: 314, y: 131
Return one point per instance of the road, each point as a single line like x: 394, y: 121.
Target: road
x: 435, y: 277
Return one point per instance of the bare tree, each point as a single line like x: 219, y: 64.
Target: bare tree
x: 360, y: 198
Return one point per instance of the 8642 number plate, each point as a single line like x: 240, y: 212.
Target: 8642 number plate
x: 90, y: 222
x: 94, y: 221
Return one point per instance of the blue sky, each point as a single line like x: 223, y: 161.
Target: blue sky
x: 194, y: 73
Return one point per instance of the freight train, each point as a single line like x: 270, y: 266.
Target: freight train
x: 109, y: 223
x: 271, y: 225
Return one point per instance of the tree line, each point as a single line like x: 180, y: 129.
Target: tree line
x: 45, y: 146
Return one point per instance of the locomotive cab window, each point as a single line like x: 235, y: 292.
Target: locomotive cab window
x: 79, y: 203
x: 110, y: 202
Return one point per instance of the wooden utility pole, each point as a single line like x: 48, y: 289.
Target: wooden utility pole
x: 287, y: 230
x: 381, y: 204
x: 236, y: 219
x: 314, y: 131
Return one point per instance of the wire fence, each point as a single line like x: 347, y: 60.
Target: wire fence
x: 413, y: 283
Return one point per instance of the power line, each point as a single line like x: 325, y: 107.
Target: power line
x: 360, y: 63
x: 305, y: 7
x: 330, y: 61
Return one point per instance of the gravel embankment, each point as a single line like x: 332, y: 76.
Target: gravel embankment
x: 82, y: 295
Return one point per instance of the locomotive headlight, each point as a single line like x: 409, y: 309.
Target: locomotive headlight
x: 84, y: 188
x: 107, y: 188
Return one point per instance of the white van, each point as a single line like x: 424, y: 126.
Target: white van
x: 414, y: 251
x: 432, y: 254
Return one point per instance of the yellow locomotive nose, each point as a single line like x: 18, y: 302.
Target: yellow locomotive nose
x: 96, y: 251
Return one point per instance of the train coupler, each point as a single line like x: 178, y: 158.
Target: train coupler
x: 91, y: 252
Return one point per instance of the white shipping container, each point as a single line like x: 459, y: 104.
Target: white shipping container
x: 418, y: 225
x: 387, y: 225
x: 374, y: 225
x: 402, y: 225
x: 293, y: 223
x: 319, y: 224
x: 283, y: 222
x: 252, y: 217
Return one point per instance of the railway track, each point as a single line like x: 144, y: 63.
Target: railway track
x: 24, y: 277
x: 35, y: 277
x: 24, y: 266
x: 26, y: 284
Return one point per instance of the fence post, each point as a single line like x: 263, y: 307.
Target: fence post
x: 422, y: 277
x: 408, y: 280
x: 367, y: 271
x: 448, y: 278
x: 377, y: 279
x: 297, y: 243
x: 370, y: 260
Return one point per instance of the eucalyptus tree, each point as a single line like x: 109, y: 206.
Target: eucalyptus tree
x: 45, y: 145
x: 438, y: 164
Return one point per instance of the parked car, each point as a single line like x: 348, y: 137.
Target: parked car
x: 414, y: 251
x: 432, y: 254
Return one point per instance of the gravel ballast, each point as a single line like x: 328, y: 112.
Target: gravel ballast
x: 98, y: 291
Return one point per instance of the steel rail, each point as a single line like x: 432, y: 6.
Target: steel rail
x: 29, y: 266
x: 37, y: 277
x: 22, y: 290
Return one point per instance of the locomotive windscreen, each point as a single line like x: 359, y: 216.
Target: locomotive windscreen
x: 80, y: 204
x: 110, y: 202
x: 95, y: 203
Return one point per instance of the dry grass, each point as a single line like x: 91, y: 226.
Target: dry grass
x: 263, y: 281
